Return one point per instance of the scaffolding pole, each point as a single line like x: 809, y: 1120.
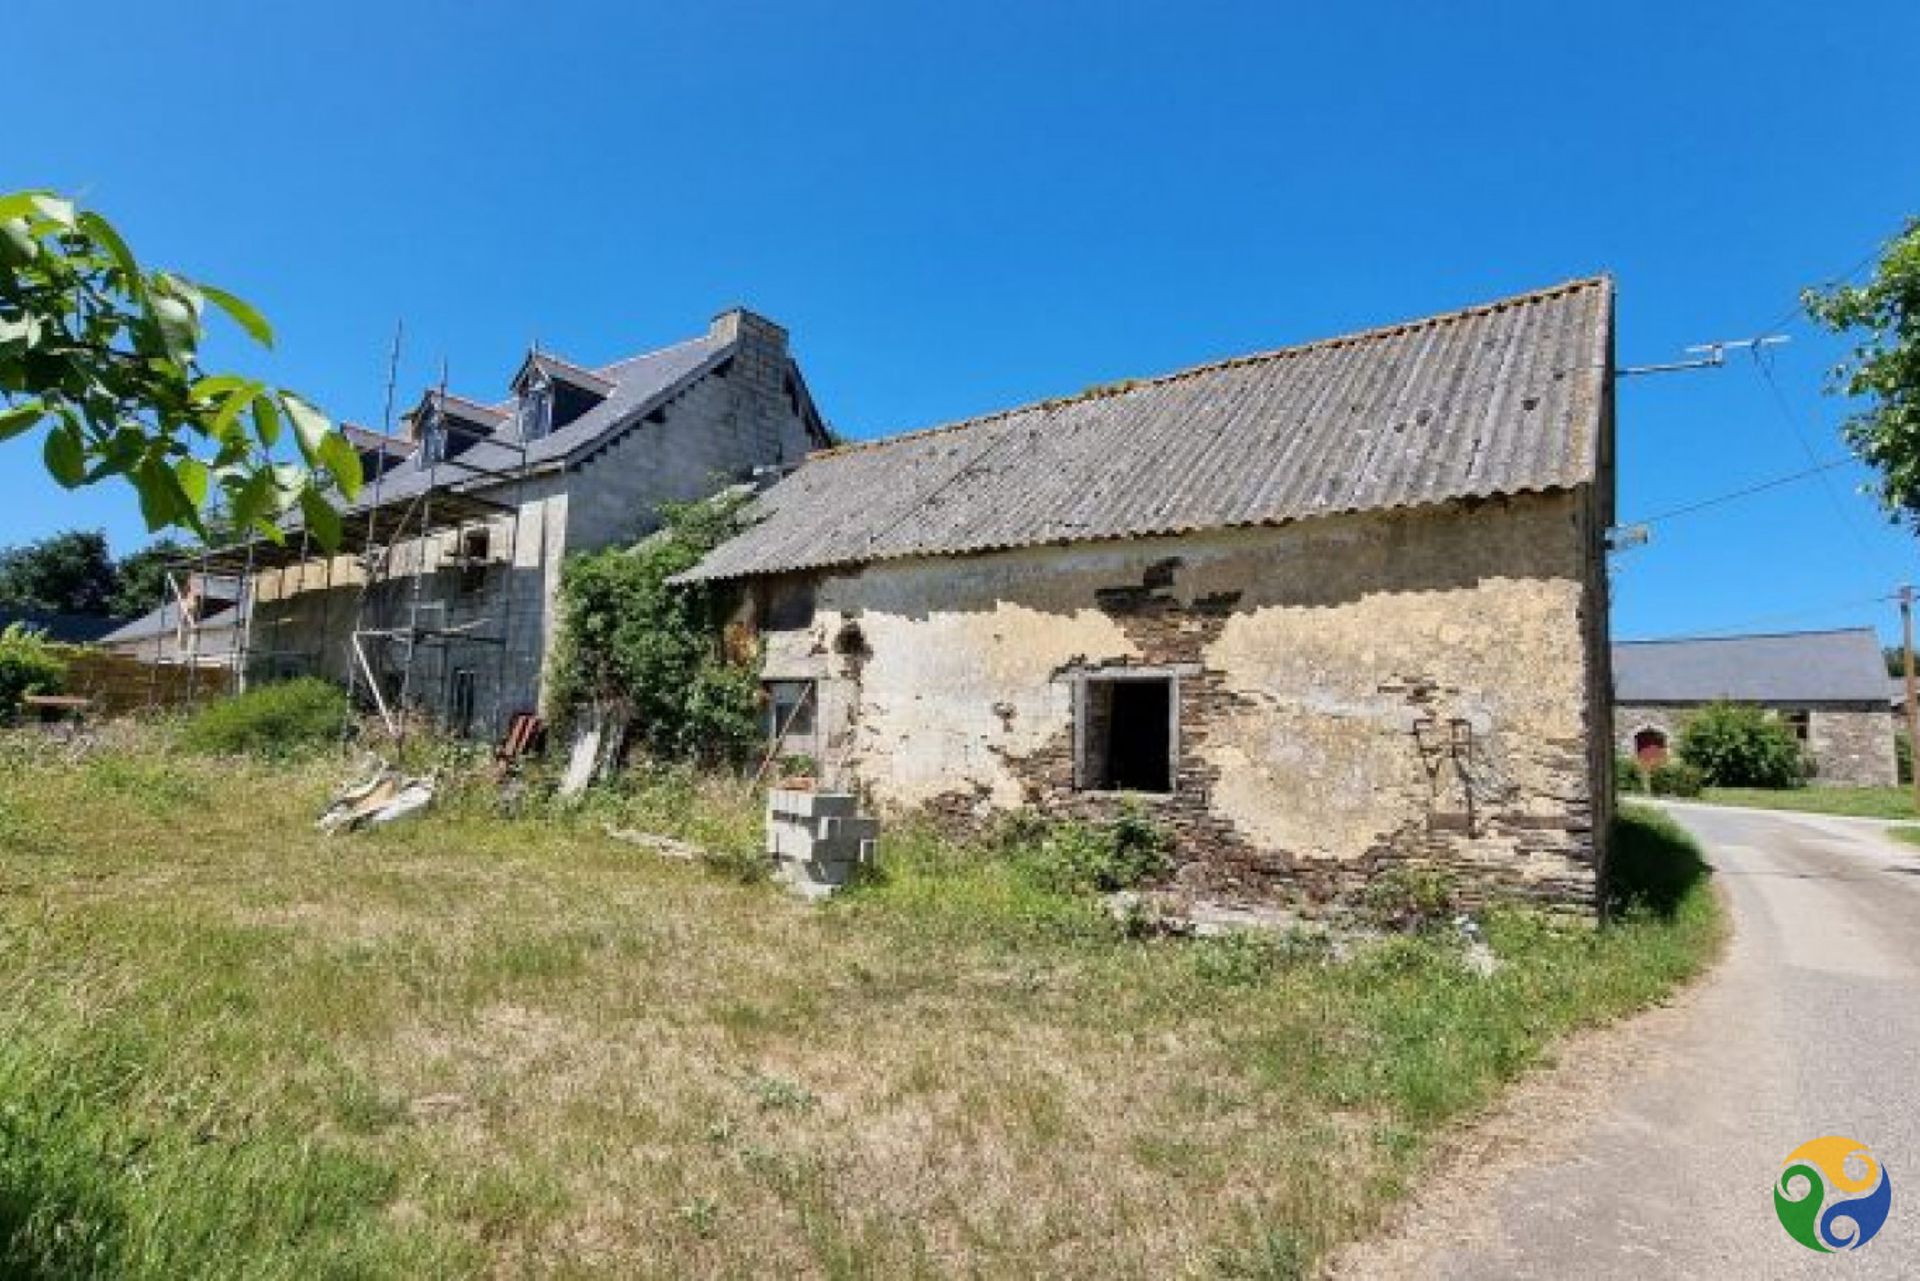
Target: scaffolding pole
x: 503, y: 669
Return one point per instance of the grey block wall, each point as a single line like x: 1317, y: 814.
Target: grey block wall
x: 715, y: 433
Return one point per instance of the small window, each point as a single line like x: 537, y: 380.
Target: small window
x: 1797, y: 721
x: 1126, y: 733
x: 474, y: 547
x: 790, y: 712
x: 460, y: 702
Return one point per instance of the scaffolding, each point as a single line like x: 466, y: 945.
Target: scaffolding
x: 391, y: 625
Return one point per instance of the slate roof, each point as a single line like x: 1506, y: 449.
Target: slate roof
x: 368, y: 439
x: 639, y: 384
x: 219, y: 593
x: 1786, y: 667
x: 165, y: 621
x: 69, y: 629
x: 1496, y: 399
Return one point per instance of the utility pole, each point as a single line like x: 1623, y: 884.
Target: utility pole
x: 1913, y: 709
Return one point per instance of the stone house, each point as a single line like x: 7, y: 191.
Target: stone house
x: 1829, y: 686
x: 442, y: 595
x: 1321, y: 611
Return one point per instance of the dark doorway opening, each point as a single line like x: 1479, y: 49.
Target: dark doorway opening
x: 1127, y: 739
x: 460, y: 703
x: 1650, y: 748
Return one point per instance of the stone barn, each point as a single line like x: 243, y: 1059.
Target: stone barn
x: 1828, y: 687
x: 1321, y: 611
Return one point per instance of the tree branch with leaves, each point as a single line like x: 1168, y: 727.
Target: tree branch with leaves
x: 105, y: 356
x: 1883, y: 368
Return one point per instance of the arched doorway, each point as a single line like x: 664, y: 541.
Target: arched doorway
x: 1650, y: 747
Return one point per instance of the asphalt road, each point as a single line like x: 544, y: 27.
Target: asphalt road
x: 1809, y: 1027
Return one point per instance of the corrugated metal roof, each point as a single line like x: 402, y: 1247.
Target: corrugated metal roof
x: 1495, y: 399
x: 1786, y: 667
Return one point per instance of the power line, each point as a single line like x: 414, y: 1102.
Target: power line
x: 1739, y: 626
x: 1797, y: 312
x: 1793, y: 424
x: 1758, y: 488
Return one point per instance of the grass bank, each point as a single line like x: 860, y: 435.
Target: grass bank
x: 1853, y: 802
x: 476, y: 1044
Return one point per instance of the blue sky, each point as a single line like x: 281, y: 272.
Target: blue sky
x: 960, y: 207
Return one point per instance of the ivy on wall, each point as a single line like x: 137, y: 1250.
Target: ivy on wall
x: 633, y: 645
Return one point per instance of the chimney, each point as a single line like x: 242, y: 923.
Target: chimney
x: 737, y: 324
x: 759, y: 353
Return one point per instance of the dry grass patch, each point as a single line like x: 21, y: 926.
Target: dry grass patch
x: 488, y: 1045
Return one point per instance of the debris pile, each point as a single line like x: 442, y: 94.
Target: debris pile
x: 384, y: 798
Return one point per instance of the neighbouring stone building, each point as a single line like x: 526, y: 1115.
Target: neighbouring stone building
x: 442, y: 596
x: 1322, y: 611
x: 1830, y: 687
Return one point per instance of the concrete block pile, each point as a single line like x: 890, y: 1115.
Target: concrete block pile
x: 817, y: 839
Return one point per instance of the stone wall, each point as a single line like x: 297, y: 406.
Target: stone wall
x: 1352, y: 692
x: 1851, y: 744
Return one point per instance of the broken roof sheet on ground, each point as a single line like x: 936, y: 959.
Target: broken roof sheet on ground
x: 1497, y: 399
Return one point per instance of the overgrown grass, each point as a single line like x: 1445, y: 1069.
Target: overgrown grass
x: 286, y: 718
x: 231, y: 1047
x: 1855, y: 802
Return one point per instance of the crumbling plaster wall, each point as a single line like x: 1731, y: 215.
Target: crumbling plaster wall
x: 1356, y: 690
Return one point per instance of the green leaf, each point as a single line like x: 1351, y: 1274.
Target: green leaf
x: 66, y: 455
x: 323, y: 522
x: 310, y: 426
x: 193, y: 477
x: 179, y: 327
x: 36, y: 204
x: 103, y: 233
x: 243, y: 314
x: 17, y: 242
x: 266, y: 419
x: 214, y: 386
x: 19, y: 418
x: 340, y: 458
x: 224, y: 426
x: 162, y: 501
x: 252, y: 499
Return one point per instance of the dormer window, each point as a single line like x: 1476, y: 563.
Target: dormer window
x: 553, y: 394
x: 536, y: 408
x: 447, y: 426
x: 432, y: 428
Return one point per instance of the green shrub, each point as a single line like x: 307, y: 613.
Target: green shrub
x: 1740, y: 745
x: 1077, y: 857
x: 1408, y: 898
x: 1675, y: 778
x: 1903, y: 755
x: 28, y: 665
x: 273, y: 720
x: 1628, y: 776
x: 1246, y: 958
